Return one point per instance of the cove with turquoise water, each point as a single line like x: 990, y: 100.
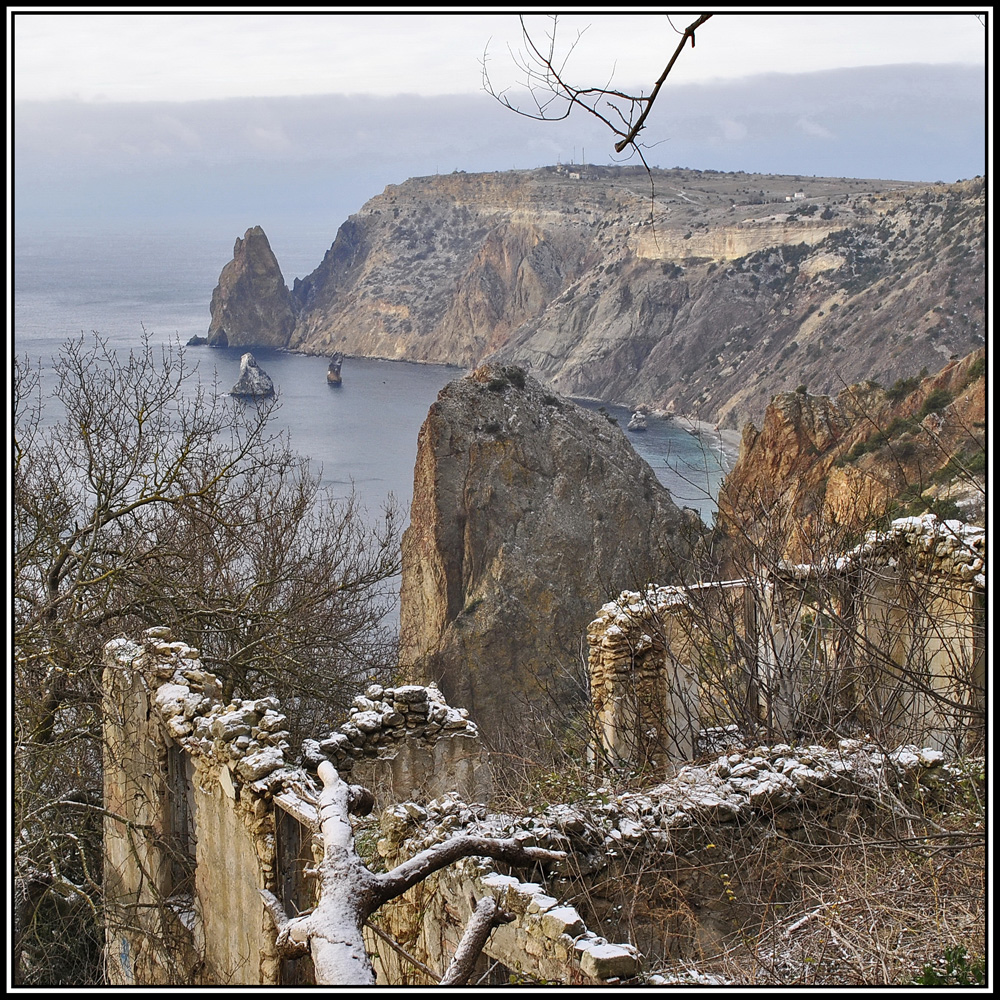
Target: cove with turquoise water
x: 362, y: 435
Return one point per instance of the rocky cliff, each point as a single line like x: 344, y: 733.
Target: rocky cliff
x: 251, y: 306
x: 694, y: 291
x: 253, y: 381
x: 822, y: 468
x: 521, y: 504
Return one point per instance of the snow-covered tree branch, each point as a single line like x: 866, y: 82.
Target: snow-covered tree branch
x: 349, y: 893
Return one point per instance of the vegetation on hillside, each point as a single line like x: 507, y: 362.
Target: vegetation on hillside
x: 141, y: 498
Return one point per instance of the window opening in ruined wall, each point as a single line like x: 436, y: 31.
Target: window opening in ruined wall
x: 181, y: 841
x: 293, y: 855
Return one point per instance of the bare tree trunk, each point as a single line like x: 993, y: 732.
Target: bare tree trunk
x: 485, y: 917
x: 350, y: 892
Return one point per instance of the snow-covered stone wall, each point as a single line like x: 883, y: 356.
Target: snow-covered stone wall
x: 406, y: 743
x: 547, y: 940
x: 895, y: 624
x: 669, y: 866
x: 208, y: 804
x: 189, y: 783
x: 946, y: 550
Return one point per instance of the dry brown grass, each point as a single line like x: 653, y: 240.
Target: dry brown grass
x: 885, y: 896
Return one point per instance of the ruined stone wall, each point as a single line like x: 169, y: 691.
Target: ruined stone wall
x: 891, y: 633
x: 546, y: 941
x: 914, y: 595
x: 675, y: 869
x: 235, y: 859
x: 197, y: 787
x: 152, y: 923
x: 658, y: 662
x: 642, y: 680
x: 191, y: 838
x: 206, y: 808
x: 407, y: 743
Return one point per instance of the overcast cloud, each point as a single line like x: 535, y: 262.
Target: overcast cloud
x: 195, y: 56
x: 164, y: 116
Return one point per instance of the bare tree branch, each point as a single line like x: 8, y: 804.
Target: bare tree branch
x: 350, y: 892
x: 409, y: 873
x: 688, y: 33
x: 484, y: 918
x: 554, y: 97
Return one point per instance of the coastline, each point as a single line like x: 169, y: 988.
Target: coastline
x: 725, y: 441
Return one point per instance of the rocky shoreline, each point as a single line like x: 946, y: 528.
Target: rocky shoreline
x: 724, y: 440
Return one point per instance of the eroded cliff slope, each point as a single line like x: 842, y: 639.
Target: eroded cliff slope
x: 821, y: 469
x: 707, y: 296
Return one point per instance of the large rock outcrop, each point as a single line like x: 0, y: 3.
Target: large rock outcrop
x: 821, y: 468
x: 700, y: 292
x: 251, y: 306
x: 254, y: 382
x: 528, y: 511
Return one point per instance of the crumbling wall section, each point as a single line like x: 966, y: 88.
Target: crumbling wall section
x: 547, y: 941
x: 206, y: 808
x: 153, y: 924
x: 643, y: 678
x: 675, y: 868
x: 188, y: 781
x: 406, y: 744
x: 893, y: 629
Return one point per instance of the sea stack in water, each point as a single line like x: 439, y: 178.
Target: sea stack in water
x: 251, y: 306
x: 333, y: 372
x: 638, y: 422
x: 253, y: 380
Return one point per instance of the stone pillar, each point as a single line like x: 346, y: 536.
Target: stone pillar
x: 644, y: 687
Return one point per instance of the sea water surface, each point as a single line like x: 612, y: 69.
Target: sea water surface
x: 361, y: 436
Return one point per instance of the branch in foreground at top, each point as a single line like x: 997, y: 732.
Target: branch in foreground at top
x: 546, y: 82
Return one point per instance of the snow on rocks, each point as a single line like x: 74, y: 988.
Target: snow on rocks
x: 703, y: 814
x: 943, y: 548
x: 251, y: 733
x: 778, y: 784
x: 547, y: 929
x: 616, y: 622
x: 188, y: 700
x: 260, y: 763
x: 601, y: 960
x: 382, y: 717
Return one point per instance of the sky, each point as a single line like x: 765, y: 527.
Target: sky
x: 198, y: 56
x: 241, y: 118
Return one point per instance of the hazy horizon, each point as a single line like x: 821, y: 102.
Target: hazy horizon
x: 322, y: 157
x: 889, y: 96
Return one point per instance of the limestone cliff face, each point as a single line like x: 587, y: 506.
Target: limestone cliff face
x: 251, y: 307
x: 527, y: 513
x: 822, y: 468
x: 730, y: 242
x: 443, y: 269
x: 707, y: 296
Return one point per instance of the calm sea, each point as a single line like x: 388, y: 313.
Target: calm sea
x: 362, y: 435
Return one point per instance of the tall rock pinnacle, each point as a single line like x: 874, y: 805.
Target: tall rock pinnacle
x: 251, y: 306
x: 528, y: 512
